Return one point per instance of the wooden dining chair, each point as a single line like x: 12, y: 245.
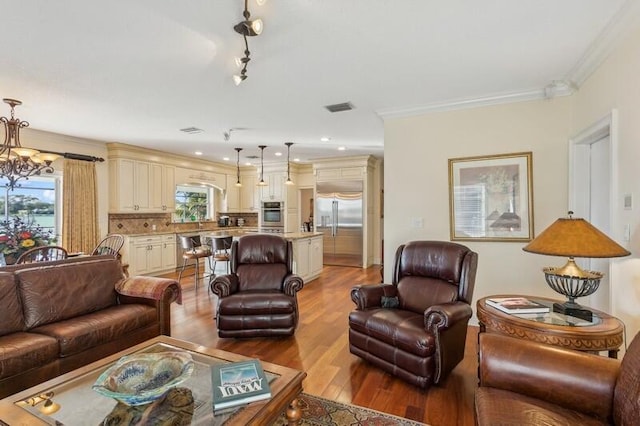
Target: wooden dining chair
x: 111, y: 245
x: 42, y: 254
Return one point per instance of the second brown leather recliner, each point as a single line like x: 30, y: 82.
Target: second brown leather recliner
x: 258, y: 297
x: 416, y: 327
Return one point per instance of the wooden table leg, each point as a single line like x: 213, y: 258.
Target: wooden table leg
x: 293, y: 413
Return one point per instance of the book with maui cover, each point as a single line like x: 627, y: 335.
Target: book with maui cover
x: 238, y: 383
x: 517, y: 305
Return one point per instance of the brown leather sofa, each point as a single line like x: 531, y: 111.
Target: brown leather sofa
x: 58, y: 316
x: 258, y: 297
x: 416, y: 327
x: 529, y: 383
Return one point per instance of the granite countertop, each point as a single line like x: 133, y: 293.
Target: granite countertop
x: 234, y: 231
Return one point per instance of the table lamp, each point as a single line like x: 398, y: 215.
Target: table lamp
x: 569, y: 237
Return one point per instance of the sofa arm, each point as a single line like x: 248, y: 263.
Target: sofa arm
x: 370, y: 296
x: 224, y: 285
x: 153, y: 288
x: 575, y: 380
x: 153, y: 291
x: 292, y: 284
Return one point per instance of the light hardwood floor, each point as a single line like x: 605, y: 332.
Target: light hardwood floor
x: 321, y: 348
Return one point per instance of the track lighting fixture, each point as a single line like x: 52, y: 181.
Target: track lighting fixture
x: 288, y: 181
x: 262, y: 182
x: 246, y: 28
x: 238, y: 183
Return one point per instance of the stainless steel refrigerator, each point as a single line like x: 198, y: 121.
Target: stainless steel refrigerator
x: 339, y: 216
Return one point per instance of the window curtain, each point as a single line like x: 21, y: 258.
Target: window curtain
x: 79, y: 206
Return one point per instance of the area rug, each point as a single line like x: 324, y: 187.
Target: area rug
x: 317, y: 411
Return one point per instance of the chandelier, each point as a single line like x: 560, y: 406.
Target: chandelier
x: 246, y: 28
x: 17, y: 162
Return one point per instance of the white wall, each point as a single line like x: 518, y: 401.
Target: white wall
x: 37, y: 139
x: 417, y: 150
x: 616, y: 85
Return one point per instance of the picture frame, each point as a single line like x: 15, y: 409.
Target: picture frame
x: 491, y: 198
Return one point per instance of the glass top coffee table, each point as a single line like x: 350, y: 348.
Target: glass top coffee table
x: 69, y: 399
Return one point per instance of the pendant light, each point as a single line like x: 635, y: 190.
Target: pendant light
x: 288, y: 181
x: 238, y: 183
x: 262, y: 182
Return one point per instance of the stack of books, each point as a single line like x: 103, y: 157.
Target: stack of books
x: 517, y: 305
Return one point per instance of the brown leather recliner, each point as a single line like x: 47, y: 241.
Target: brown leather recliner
x: 258, y: 297
x: 530, y: 383
x: 416, y: 327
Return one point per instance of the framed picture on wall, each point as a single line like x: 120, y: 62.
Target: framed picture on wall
x: 491, y: 198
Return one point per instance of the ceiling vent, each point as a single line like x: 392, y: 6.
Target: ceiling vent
x: 345, y: 106
x: 252, y: 157
x: 191, y: 130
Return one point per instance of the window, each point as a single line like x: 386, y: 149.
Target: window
x: 193, y: 203
x: 33, y: 201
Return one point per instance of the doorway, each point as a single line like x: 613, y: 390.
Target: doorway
x: 591, y: 189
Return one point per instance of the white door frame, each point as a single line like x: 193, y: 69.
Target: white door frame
x: 579, y: 173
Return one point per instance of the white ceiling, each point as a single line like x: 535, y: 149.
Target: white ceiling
x: 137, y: 71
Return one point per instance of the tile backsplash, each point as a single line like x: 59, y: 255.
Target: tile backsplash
x: 162, y: 223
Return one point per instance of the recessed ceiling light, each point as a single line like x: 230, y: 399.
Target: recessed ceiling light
x: 325, y: 139
x: 198, y: 153
x: 247, y: 163
x: 278, y: 154
x: 296, y: 159
x: 342, y: 148
x: 225, y: 158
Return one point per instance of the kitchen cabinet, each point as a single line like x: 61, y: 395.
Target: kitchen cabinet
x: 307, y: 257
x: 149, y: 254
x: 141, y: 186
x: 249, y: 194
x: 275, y: 189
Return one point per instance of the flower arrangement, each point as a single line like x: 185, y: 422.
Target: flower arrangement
x: 18, y: 236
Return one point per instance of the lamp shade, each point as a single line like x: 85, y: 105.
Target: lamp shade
x: 574, y: 237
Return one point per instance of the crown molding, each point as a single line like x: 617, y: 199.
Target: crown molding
x: 496, y: 99
x: 618, y: 27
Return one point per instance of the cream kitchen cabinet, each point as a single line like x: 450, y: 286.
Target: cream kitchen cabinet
x: 249, y: 194
x: 307, y: 257
x: 275, y: 189
x: 141, y: 187
x: 150, y: 254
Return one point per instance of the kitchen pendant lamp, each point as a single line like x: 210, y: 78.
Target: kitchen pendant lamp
x: 262, y: 182
x: 238, y: 183
x: 288, y: 181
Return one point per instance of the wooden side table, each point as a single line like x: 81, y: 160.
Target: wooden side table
x: 605, y: 333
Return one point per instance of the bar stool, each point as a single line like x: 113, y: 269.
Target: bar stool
x: 221, y: 247
x: 193, y: 250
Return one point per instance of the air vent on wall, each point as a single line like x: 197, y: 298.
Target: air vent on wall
x: 345, y: 106
x: 191, y: 130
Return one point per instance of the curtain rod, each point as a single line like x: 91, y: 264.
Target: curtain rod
x: 72, y: 156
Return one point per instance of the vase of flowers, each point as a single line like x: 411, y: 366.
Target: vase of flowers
x: 18, y: 236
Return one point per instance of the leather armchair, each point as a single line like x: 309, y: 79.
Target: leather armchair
x: 258, y: 297
x: 422, y: 338
x: 529, y: 383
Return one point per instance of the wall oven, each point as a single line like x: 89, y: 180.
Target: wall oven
x: 271, y: 216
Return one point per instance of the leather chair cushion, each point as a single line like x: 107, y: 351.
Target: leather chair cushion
x: 24, y: 351
x: 88, y: 287
x: 626, y: 403
x: 524, y: 411
x: 266, y: 249
x: 432, y: 259
x: 417, y: 292
x: 11, y: 318
x: 252, y: 303
x: 261, y: 276
x: 402, y: 329
x: 80, y: 333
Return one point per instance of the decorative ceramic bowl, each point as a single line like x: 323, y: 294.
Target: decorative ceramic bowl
x: 142, y: 378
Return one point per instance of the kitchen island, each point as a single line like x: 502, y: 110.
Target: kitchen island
x: 307, y: 249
